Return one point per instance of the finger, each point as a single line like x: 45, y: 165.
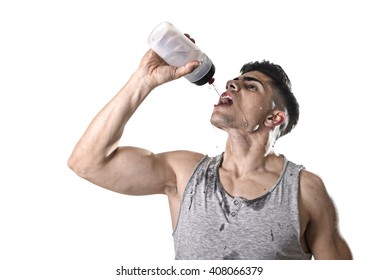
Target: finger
x: 187, y: 68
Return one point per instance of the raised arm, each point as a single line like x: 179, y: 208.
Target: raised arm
x: 97, y: 157
x: 322, y: 232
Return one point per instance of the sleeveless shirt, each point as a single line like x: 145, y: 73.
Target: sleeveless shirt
x: 213, y: 225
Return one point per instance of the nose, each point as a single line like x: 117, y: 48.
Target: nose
x: 232, y: 85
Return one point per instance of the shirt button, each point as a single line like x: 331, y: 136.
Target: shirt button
x: 236, y: 202
x: 233, y: 214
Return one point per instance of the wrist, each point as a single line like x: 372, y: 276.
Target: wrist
x: 143, y: 81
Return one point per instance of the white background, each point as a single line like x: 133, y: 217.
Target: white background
x: 61, y: 61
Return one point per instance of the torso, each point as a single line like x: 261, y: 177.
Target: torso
x: 262, y: 182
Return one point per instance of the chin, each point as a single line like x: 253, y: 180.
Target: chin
x: 219, y: 121
x: 216, y: 119
x: 214, y: 123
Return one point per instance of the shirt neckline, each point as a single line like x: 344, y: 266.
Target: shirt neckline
x: 229, y: 196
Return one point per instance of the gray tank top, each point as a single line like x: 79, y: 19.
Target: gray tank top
x: 213, y: 225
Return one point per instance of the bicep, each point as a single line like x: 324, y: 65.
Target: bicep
x: 135, y: 171
x: 322, y: 232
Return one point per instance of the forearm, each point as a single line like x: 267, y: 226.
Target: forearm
x: 101, y: 137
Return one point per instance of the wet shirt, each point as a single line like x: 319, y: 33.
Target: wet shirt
x: 213, y: 225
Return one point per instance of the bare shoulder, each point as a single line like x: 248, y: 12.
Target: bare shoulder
x: 183, y: 157
x: 183, y: 164
x: 314, y: 199
x: 312, y: 189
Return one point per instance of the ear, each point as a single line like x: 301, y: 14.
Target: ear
x: 276, y: 118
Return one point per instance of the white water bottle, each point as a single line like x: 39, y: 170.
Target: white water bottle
x: 176, y: 49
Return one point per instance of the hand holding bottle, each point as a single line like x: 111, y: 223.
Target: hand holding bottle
x: 177, y: 49
x: 155, y: 71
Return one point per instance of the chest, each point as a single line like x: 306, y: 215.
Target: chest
x: 249, y: 187
x: 216, y: 225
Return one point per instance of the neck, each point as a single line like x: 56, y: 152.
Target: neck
x: 247, y: 153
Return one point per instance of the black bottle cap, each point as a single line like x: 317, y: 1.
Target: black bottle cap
x: 205, y: 79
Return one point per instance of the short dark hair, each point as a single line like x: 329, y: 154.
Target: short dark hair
x: 282, y: 82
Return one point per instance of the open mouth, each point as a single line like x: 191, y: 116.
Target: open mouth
x: 225, y: 101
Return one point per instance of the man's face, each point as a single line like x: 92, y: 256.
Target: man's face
x: 245, y: 104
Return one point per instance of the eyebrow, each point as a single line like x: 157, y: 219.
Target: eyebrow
x: 250, y: 79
